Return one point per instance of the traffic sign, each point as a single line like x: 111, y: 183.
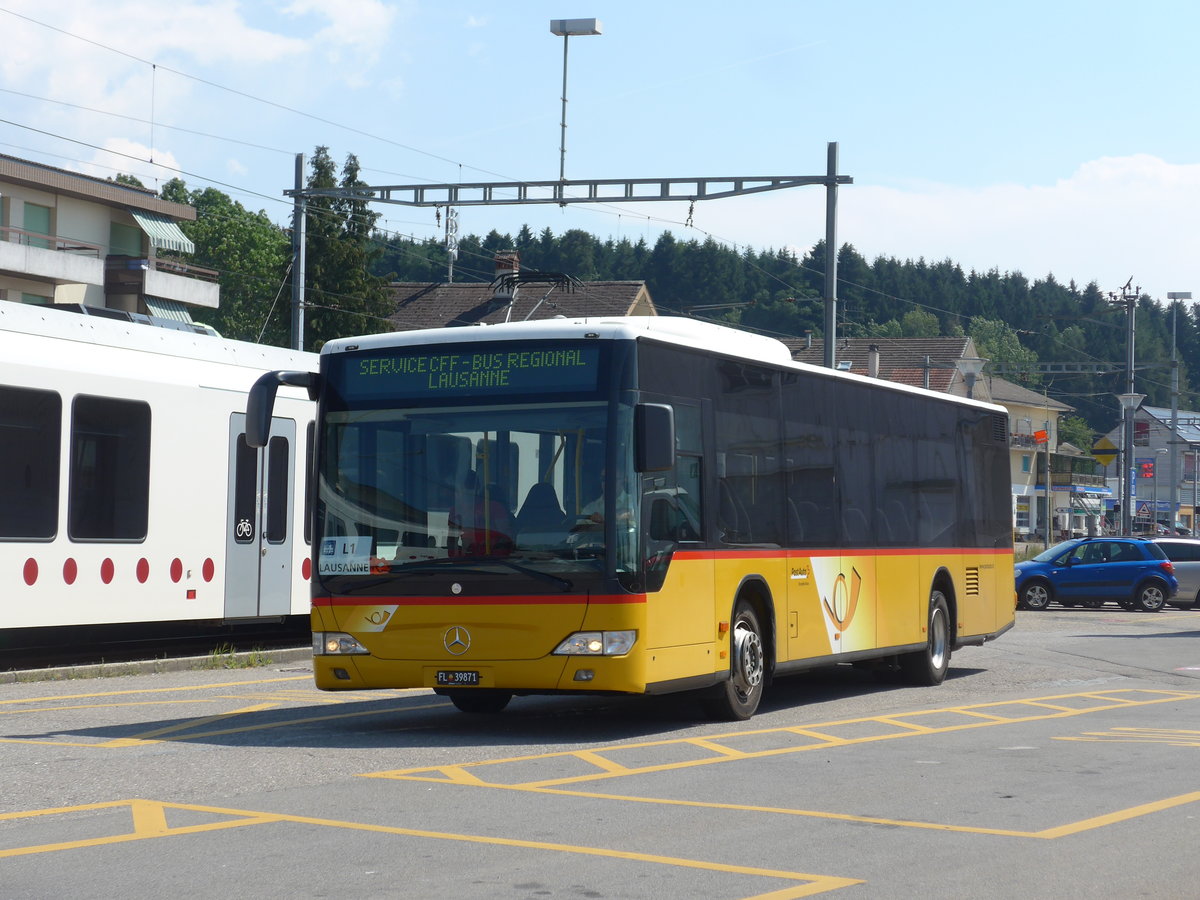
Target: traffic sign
x: 1105, y: 451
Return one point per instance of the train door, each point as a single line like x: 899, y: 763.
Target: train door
x: 258, y: 542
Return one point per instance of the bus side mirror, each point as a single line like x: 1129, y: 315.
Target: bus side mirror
x: 260, y: 405
x: 654, y: 437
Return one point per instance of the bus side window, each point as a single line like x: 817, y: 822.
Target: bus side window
x: 808, y: 454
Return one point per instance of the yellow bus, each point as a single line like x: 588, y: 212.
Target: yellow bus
x: 639, y: 506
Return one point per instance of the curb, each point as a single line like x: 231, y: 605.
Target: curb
x: 244, y: 660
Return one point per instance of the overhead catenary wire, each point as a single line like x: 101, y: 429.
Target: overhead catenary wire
x: 156, y: 124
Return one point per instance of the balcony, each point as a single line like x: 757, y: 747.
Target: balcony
x: 1024, y: 442
x: 1061, y: 481
x: 1076, y: 479
x: 43, y: 257
x: 165, y: 278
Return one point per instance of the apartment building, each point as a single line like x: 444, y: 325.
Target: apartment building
x: 71, y: 239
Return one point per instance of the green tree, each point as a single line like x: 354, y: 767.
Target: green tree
x: 131, y: 180
x: 920, y: 323
x: 250, y: 254
x: 996, y: 342
x: 1075, y: 430
x: 343, y: 295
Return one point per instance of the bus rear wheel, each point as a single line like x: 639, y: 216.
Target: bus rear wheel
x: 483, y: 701
x: 928, y: 666
x: 738, y: 698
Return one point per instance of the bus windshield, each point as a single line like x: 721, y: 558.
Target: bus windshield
x: 502, y: 490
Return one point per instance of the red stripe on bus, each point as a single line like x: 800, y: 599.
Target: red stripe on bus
x: 814, y: 552
x: 508, y: 600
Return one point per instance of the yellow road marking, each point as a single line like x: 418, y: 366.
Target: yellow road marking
x: 1044, y: 709
x: 606, y: 764
x: 150, y: 737
x: 1175, y: 737
x: 150, y: 821
x: 182, y: 731
x: 170, y: 690
x: 41, y: 709
x: 823, y: 734
x: 718, y: 748
x: 1122, y: 815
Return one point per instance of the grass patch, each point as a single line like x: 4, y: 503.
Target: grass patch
x: 226, y: 656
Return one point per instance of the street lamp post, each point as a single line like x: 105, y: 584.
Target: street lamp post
x: 971, y: 367
x: 566, y: 28
x: 1174, y: 296
x: 1129, y: 404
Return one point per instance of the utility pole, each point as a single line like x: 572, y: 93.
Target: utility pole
x: 299, y: 230
x: 1129, y: 405
x: 831, y: 252
x: 1174, y: 297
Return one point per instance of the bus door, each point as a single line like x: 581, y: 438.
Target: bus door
x: 258, y: 538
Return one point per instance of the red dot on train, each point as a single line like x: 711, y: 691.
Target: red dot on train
x: 143, y: 570
x: 176, y: 570
x: 306, y: 568
x: 31, y: 571
x: 107, y: 569
x: 209, y: 570
x: 70, y: 571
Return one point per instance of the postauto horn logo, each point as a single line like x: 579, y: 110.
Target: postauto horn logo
x: 844, y: 601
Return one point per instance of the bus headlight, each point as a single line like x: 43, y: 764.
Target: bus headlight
x: 597, y: 643
x: 335, y: 643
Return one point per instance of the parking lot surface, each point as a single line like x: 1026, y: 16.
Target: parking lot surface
x: 1058, y: 761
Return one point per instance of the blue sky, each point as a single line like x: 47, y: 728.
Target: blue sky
x: 1040, y: 137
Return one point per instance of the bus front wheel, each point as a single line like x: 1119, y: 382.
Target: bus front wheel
x: 481, y: 701
x: 928, y: 665
x: 738, y: 698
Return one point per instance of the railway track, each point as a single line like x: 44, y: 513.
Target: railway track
x: 45, y: 648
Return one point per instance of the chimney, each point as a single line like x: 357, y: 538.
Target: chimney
x: 808, y: 339
x: 508, y: 265
x: 873, y: 360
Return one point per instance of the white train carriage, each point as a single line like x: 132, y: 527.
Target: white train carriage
x: 127, y: 490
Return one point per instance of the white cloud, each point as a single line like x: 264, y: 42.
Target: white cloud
x: 131, y: 158
x: 1113, y: 217
x: 356, y: 32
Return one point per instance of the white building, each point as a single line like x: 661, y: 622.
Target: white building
x: 1159, y: 494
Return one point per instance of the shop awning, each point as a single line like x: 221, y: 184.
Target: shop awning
x: 164, y: 234
x: 168, y: 309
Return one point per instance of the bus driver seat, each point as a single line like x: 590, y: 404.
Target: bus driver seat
x: 541, y: 512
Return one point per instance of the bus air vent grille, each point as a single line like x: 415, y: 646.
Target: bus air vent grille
x: 972, y: 581
x: 1000, y: 429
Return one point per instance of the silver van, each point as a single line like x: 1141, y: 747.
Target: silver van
x: 1184, y: 553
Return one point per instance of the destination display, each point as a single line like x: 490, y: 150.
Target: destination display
x: 432, y: 373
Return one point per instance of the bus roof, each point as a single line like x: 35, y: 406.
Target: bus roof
x: 684, y: 332
x: 672, y: 329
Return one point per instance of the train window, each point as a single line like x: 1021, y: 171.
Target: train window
x: 110, y: 469
x: 245, y: 491
x: 29, y: 445
x: 278, y: 467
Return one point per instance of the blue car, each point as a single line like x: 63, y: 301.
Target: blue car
x: 1135, y: 572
